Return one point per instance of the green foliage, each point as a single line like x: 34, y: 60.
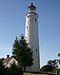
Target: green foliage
x: 52, y: 63
x: 47, y: 68
x: 14, y: 70
x: 58, y: 54
x: 59, y: 61
x: 22, y: 52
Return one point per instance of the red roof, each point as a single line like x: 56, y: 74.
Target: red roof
x: 7, y: 60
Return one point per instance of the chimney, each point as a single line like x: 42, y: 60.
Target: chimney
x: 7, y: 56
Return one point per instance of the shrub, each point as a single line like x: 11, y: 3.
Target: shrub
x: 14, y: 70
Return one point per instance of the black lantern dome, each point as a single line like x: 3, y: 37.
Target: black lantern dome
x: 31, y: 8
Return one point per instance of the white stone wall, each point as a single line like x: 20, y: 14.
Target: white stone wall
x: 31, y: 34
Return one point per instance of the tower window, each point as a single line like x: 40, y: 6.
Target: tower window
x: 27, y: 27
x: 35, y: 19
x: 36, y: 50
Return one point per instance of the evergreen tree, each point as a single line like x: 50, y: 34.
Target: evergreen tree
x: 22, y: 52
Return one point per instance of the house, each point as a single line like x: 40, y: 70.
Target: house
x: 9, y: 61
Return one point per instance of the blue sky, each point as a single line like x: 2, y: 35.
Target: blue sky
x: 12, y: 24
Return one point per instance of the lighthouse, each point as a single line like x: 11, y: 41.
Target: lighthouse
x: 31, y: 34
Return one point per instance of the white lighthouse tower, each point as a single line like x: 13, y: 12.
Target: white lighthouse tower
x: 31, y: 34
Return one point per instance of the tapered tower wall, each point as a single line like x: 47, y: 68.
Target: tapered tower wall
x: 31, y: 34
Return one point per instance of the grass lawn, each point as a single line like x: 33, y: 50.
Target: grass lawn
x: 33, y: 74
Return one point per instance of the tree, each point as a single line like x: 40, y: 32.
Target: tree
x: 52, y: 63
x: 22, y: 52
x: 48, y: 68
